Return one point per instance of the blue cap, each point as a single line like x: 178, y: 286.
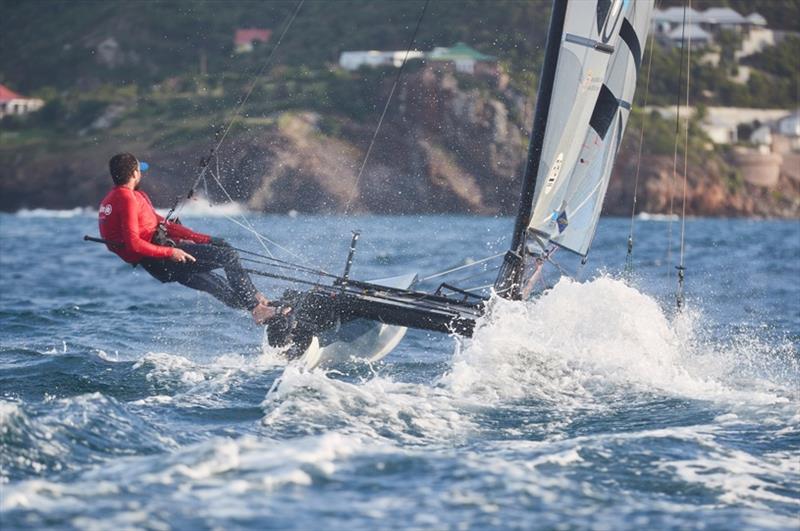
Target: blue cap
x: 143, y: 166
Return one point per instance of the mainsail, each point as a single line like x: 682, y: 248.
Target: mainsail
x: 594, y: 53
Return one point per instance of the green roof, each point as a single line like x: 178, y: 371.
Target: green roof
x: 459, y: 51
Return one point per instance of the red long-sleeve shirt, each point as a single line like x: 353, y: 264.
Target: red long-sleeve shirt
x: 128, y: 221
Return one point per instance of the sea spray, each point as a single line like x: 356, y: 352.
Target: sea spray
x: 580, y: 338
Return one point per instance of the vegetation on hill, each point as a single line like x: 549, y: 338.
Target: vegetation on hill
x: 170, y: 80
x: 773, y: 80
x: 162, y: 39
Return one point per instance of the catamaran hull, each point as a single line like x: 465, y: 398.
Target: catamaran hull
x: 357, y: 340
x: 338, y: 310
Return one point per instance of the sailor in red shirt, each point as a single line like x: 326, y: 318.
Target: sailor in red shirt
x: 129, y: 224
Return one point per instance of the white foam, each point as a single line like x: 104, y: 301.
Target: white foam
x: 583, y: 340
x: 198, y: 206
x: 201, y: 383
x: 8, y: 411
x: 647, y: 216
x: 740, y: 477
x: 375, y: 408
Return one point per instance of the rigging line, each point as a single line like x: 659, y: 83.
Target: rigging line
x: 246, y: 97
x: 465, y: 266
x: 681, y: 268
x: 259, y: 237
x: 245, y: 224
x: 280, y: 277
x: 629, y: 259
x: 291, y: 267
x: 557, y: 266
x: 675, y: 152
x: 478, y: 288
x: 273, y: 259
x: 476, y: 275
x: 270, y: 261
x: 250, y: 228
x: 385, y: 109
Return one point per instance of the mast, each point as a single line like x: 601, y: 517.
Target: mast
x: 508, y: 280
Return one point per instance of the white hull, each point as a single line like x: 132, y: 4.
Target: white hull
x: 359, y: 340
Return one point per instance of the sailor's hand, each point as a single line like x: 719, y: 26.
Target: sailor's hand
x: 179, y: 255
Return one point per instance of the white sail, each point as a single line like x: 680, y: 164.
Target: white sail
x: 601, y: 50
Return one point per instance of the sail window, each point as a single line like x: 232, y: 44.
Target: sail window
x: 608, y: 13
x: 603, y: 7
x: 604, y: 110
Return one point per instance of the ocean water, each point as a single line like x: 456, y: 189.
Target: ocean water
x: 127, y: 404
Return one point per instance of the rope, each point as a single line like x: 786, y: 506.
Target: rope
x: 261, y: 238
x: 385, y: 109
x: 459, y: 268
x: 675, y: 154
x: 463, y: 280
x: 681, y: 268
x: 629, y: 257
x: 281, y: 264
x: 478, y: 288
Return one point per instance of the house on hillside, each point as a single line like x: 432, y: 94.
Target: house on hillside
x: 12, y: 103
x: 245, y: 39
x: 790, y: 125
x: 466, y: 60
x: 463, y: 59
x: 755, y: 19
x: 374, y: 58
x: 723, y: 18
x: 668, y: 26
x: 667, y: 19
x: 690, y: 32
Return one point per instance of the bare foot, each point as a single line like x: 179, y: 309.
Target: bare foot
x: 263, y: 313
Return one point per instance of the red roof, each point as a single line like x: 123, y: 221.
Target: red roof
x: 6, y: 94
x: 247, y: 36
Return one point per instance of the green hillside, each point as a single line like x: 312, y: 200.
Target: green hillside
x: 54, y: 43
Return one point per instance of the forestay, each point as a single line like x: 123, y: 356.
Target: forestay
x: 598, y: 61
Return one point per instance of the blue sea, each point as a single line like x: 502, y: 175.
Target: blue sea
x: 128, y: 404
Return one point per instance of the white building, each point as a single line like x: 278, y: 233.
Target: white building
x: 689, y: 32
x: 13, y: 103
x: 756, y: 20
x: 674, y: 16
x: 790, y: 125
x: 721, y: 123
x: 724, y: 18
x: 373, y: 58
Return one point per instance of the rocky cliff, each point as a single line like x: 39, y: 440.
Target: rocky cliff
x: 441, y: 148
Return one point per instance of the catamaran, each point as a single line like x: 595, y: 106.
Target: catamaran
x: 592, y: 60
x: 593, y: 56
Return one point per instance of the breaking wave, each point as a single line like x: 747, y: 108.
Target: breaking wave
x: 54, y: 213
x: 604, y: 335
